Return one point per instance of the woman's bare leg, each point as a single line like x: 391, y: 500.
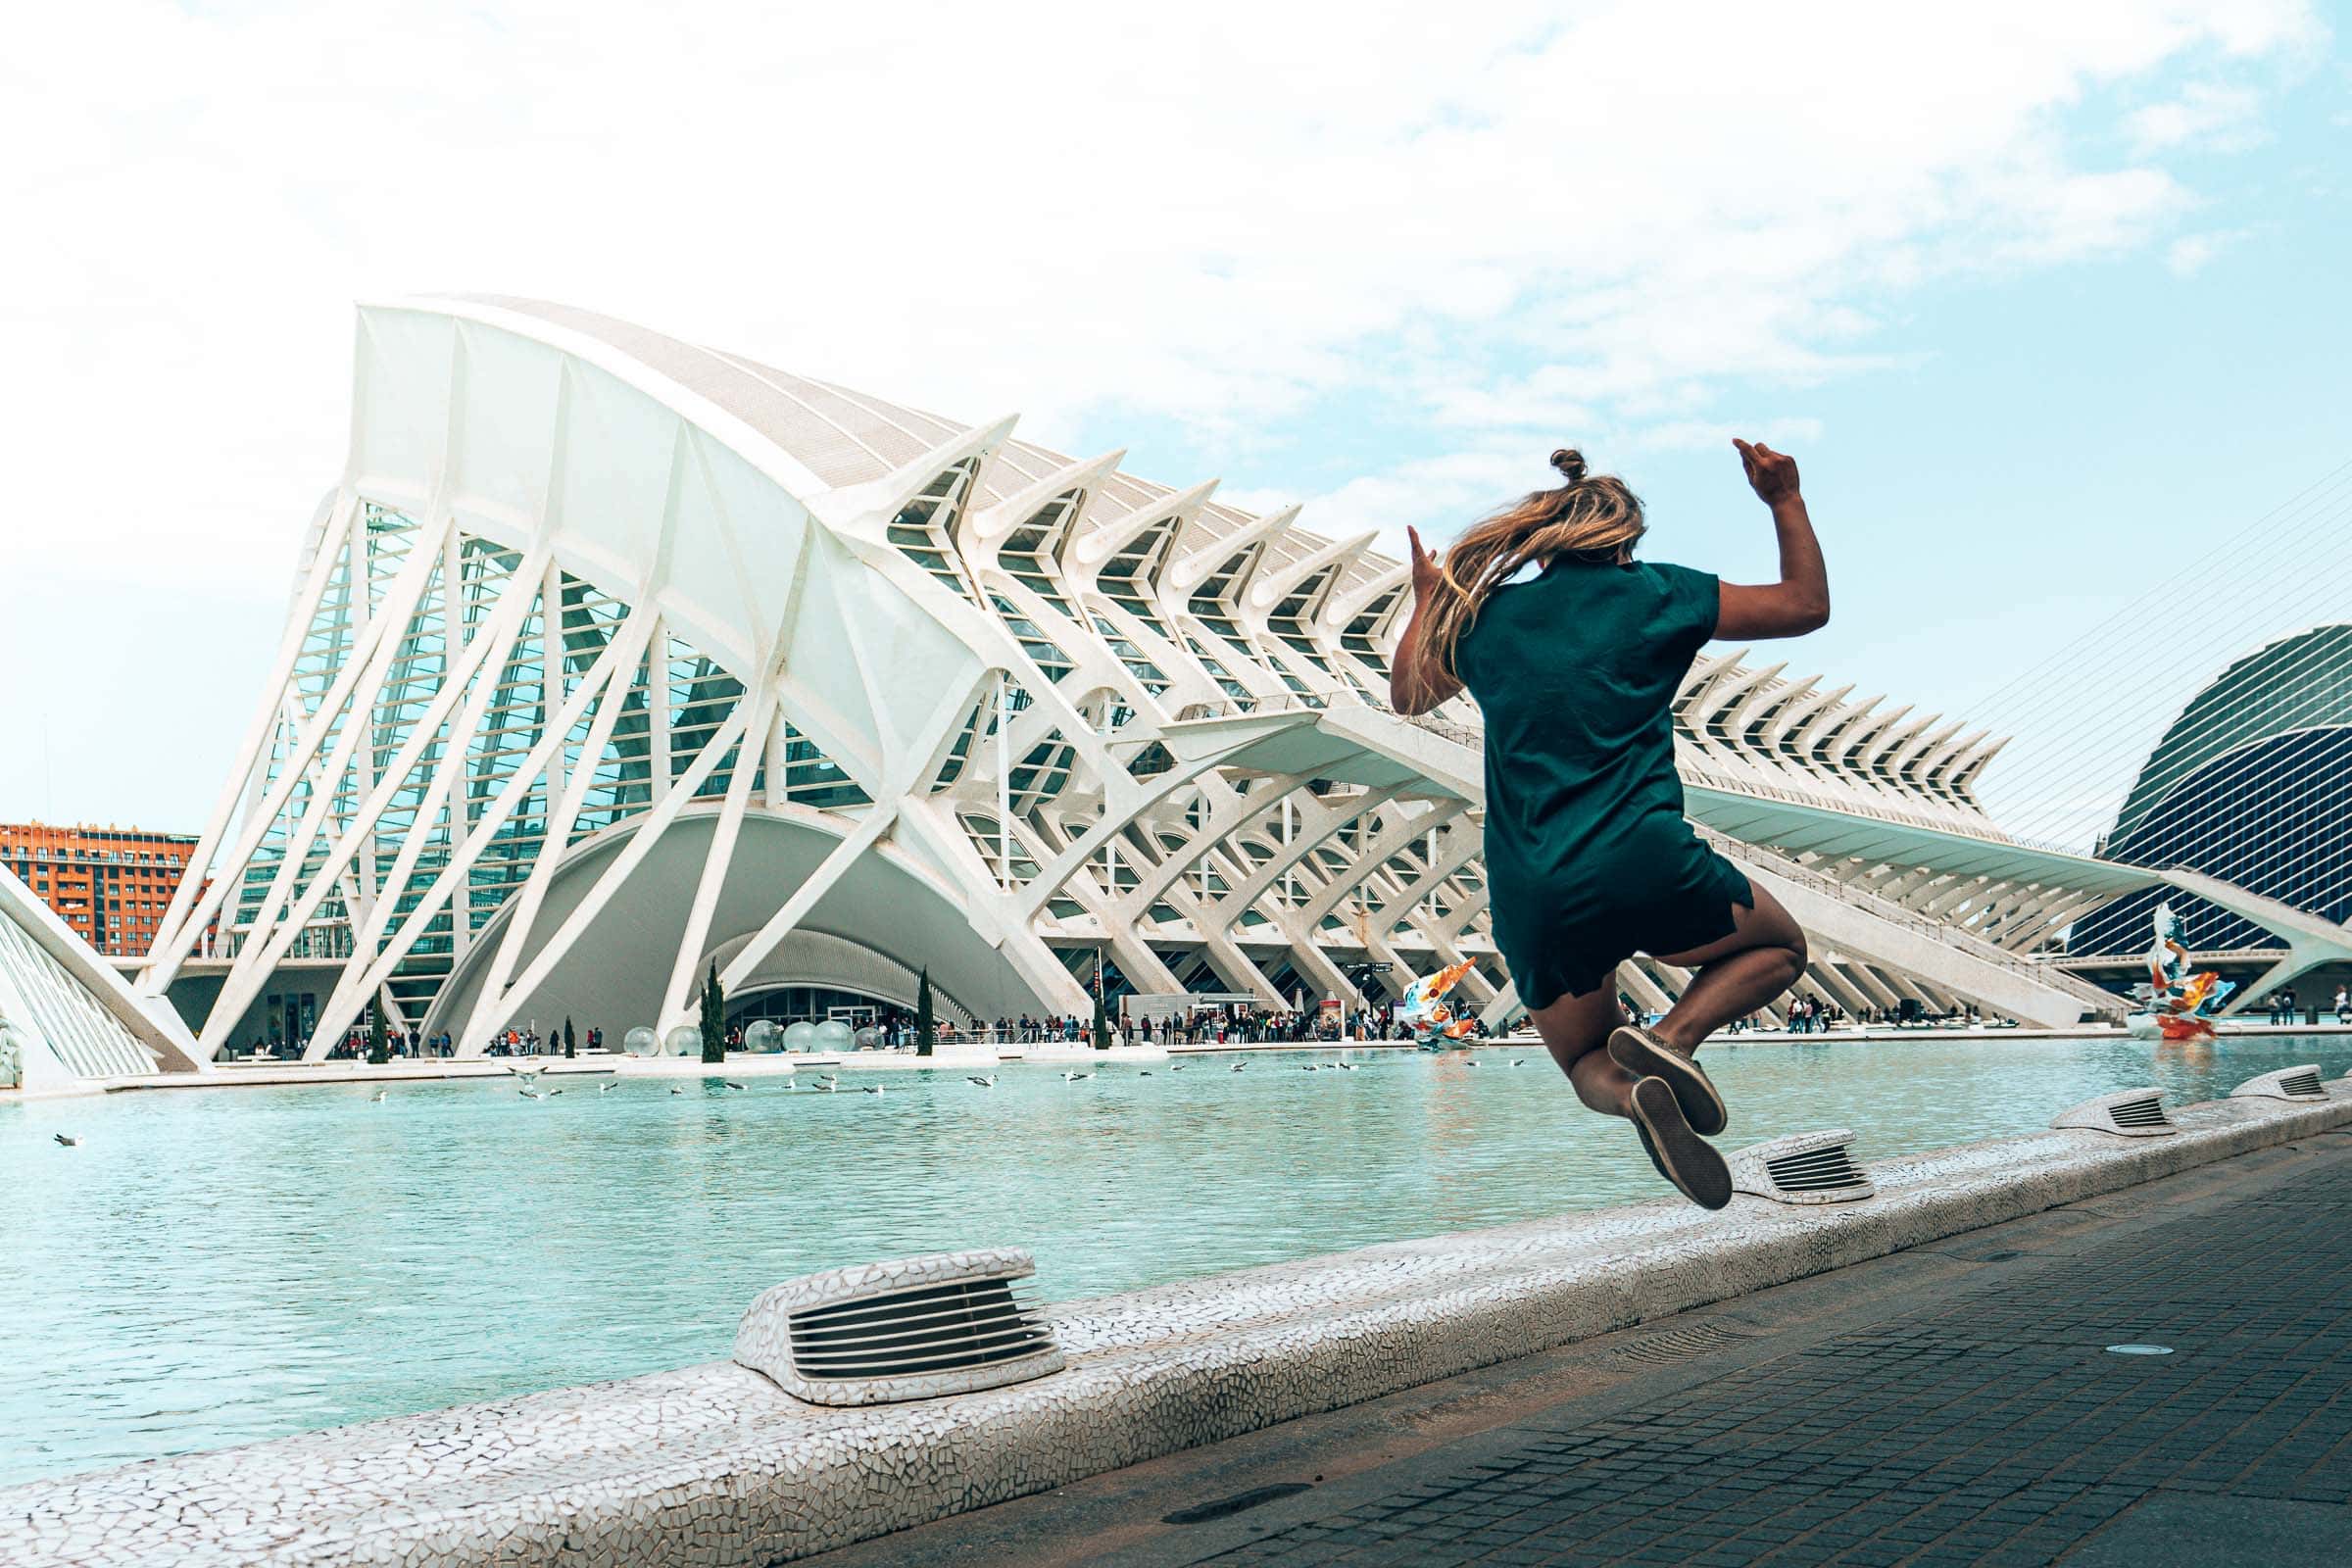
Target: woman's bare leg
x: 1762, y: 958
x: 1574, y: 1029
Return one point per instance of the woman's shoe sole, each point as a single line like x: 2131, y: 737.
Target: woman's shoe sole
x: 1652, y: 1150
x: 1644, y: 1055
x: 1689, y: 1162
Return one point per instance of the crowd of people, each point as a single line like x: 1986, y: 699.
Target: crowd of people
x: 1814, y: 1014
x: 415, y: 1044
x: 896, y: 1030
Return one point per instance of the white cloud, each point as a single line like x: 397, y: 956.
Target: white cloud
x: 1698, y: 435
x: 1220, y: 213
x: 2187, y: 256
x: 2213, y: 116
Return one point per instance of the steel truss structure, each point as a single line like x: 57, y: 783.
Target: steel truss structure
x: 612, y: 658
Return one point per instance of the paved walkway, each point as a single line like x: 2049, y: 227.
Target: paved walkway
x: 1957, y: 1408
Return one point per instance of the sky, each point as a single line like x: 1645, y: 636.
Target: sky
x: 2047, y: 299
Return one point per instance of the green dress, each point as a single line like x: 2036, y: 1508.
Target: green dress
x: 1589, y: 857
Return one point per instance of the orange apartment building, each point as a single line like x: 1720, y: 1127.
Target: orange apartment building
x: 110, y: 884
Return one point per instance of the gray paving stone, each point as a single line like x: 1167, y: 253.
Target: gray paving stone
x: 1990, y: 1429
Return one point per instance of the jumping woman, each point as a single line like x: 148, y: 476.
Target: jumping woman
x: 1589, y: 857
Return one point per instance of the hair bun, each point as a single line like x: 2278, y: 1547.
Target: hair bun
x: 1570, y: 462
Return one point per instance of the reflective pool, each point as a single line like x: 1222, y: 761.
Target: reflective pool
x: 218, y: 1266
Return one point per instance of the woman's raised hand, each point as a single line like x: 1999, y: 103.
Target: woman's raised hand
x: 1771, y: 475
x: 1426, y: 574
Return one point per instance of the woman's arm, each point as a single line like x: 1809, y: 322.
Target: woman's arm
x: 1414, y: 688
x: 1799, y: 602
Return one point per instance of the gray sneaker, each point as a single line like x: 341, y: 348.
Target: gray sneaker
x: 1682, y: 1157
x: 1646, y: 1055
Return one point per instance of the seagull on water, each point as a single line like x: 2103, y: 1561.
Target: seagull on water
x: 989, y: 1082
x: 871, y: 1089
x: 1520, y: 1063
x: 1073, y: 1077
x: 1237, y: 1066
x: 69, y: 1141
x: 378, y: 1095
x: 606, y: 1089
x: 1178, y: 1067
x: 676, y: 1089
x: 1347, y: 1067
x: 732, y: 1084
x: 825, y: 1086
x: 530, y: 1093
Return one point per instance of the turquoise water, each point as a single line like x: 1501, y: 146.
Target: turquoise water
x: 215, y: 1267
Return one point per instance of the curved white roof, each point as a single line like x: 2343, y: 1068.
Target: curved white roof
x: 847, y: 437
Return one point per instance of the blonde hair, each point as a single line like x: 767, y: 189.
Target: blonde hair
x: 1588, y: 520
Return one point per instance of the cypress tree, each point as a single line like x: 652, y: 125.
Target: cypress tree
x: 379, y: 1049
x: 568, y: 1045
x: 1101, y: 1021
x: 926, y: 1027
x: 715, y: 1018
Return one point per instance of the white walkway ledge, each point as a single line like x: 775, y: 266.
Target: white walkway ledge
x: 714, y: 1466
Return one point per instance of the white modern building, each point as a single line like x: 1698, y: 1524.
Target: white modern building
x: 611, y: 658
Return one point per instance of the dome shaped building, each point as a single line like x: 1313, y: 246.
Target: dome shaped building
x: 2250, y: 785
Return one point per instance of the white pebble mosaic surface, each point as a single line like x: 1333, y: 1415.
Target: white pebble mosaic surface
x: 716, y: 1466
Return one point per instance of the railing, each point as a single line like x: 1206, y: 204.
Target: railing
x: 1446, y: 729
x: 1845, y: 804
x: 1282, y: 702
x: 1289, y: 701
x: 2198, y: 958
x: 1926, y: 926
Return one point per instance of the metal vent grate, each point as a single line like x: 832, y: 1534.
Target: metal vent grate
x: 944, y: 1328
x: 1803, y: 1168
x: 920, y: 1327
x: 2299, y: 1082
x: 1824, y: 1171
x: 2125, y: 1113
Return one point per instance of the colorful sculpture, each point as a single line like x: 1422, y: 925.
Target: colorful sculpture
x: 1435, y: 1025
x: 2176, y: 1005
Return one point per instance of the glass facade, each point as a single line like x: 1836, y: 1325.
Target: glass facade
x: 2252, y: 784
x: 672, y: 706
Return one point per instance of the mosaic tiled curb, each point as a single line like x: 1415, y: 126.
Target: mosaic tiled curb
x: 714, y: 1466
